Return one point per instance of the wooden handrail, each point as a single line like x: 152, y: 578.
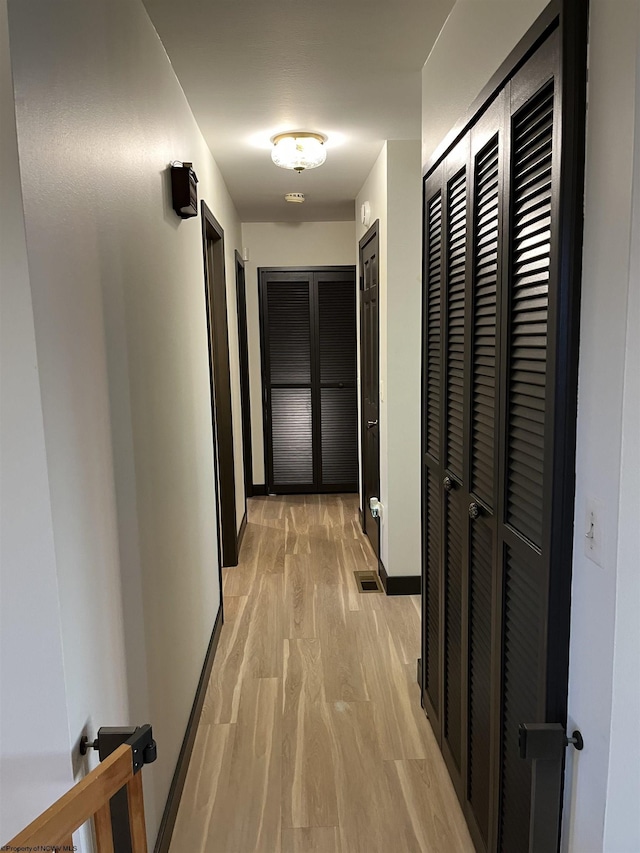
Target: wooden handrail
x: 87, y: 800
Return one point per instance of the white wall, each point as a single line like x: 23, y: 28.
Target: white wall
x: 283, y: 244
x: 375, y: 191
x: 622, y: 817
x: 404, y: 346
x: 593, y: 787
x: 118, y: 299
x: 475, y: 40
x: 394, y: 191
x: 597, y: 792
x: 35, y: 760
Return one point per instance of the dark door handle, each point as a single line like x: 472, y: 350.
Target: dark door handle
x: 448, y: 484
x: 474, y: 510
x: 371, y: 424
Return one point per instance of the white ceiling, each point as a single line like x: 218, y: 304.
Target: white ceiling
x: 347, y: 68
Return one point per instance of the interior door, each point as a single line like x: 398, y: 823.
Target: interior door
x: 370, y: 382
x: 454, y: 449
x: 483, y: 360
x: 495, y: 604
x: 288, y: 374
x: 308, y: 323
x: 336, y: 402
x: 532, y: 676
x: 221, y: 401
x: 243, y: 353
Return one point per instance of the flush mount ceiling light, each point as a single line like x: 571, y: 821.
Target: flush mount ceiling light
x: 299, y: 150
x: 294, y: 198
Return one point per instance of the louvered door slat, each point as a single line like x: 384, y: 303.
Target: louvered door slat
x: 433, y: 320
x: 292, y: 436
x: 456, y: 275
x: 339, y: 431
x: 530, y: 264
x: 480, y: 622
x: 453, y: 631
x: 289, y: 331
x: 485, y: 281
x: 432, y: 589
x: 522, y: 620
x: 288, y: 342
x: 338, y: 406
x: 336, y: 331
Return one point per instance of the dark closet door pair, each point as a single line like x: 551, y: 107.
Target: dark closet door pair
x: 308, y: 326
x: 495, y: 412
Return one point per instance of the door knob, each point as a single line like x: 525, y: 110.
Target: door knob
x: 371, y: 424
x: 448, y: 484
x: 474, y: 510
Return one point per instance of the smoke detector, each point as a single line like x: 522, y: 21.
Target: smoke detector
x: 294, y: 198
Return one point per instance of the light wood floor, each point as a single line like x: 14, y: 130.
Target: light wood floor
x: 312, y: 737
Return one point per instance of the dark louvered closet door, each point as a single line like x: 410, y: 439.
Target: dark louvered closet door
x: 482, y: 366
x: 495, y: 595
x: 309, y: 379
x: 287, y: 314
x: 455, y: 486
x: 462, y: 232
x: 444, y: 481
x: 336, y: 298
x: 530, y: 304
x: 432, y: 468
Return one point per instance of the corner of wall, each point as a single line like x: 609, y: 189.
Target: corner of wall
x: 404, y: 334
x: 393, y: 190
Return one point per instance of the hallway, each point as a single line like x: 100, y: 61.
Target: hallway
x: 312, y: 737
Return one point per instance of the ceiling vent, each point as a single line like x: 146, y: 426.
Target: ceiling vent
x: 294, y: 198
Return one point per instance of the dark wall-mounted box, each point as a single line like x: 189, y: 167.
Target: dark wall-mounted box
x: 184, y: 190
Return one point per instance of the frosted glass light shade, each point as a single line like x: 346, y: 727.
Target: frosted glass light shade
x: 299, y: 151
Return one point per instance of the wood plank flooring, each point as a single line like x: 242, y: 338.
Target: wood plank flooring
x: 312, y: 739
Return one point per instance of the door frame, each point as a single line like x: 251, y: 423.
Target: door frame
x: 220, y: 381
x: 365, y: 516
x: 245, y: 387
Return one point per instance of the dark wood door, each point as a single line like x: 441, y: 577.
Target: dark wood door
x: 309, y: 379
x: 221, y: 404
x: 495, y: 408
x: 336, y: 395
x: 370, y: 381
x: 483, y: 362
x: 243, y: 353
